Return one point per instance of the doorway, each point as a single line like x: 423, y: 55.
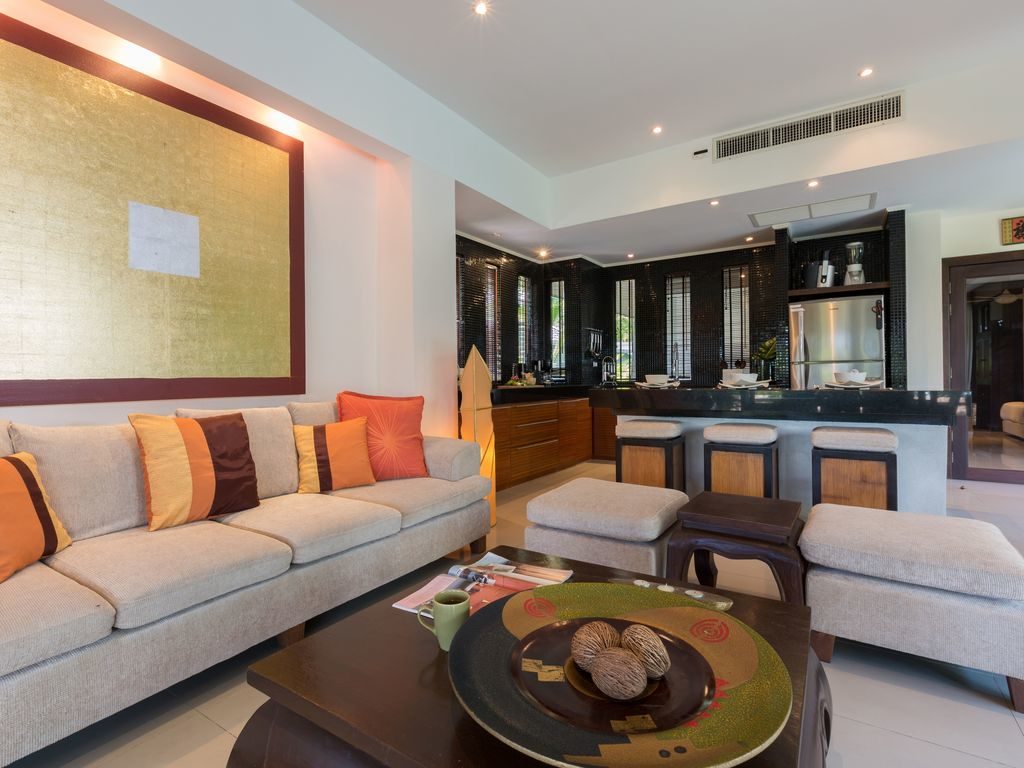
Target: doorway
x: 984, y: 353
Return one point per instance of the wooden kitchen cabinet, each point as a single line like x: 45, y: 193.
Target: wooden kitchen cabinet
x: 604, y: 433
x: 535, y: 439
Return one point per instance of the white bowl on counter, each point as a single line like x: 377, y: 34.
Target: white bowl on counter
x: 660, y: 379
x: 733, y: 376
x: 851, y: 377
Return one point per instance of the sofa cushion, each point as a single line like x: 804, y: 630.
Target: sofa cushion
x: 421, y: 498
x: 951, y: 553
x: 44, y: 614
x: 29, y: 529
x: 5, y: 438
x: 1012, y: 411
x: 195, y: 468
x: 272, y: 445
x: 451, y: 459
x: 147, y: 575
x: 313, y: 414
x: 392, y: 432
x: 92, y: 474
x: 333, y: 456
x: 317, y: 525
x: 604, y: 508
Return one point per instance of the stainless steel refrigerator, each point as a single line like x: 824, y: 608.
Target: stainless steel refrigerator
x: 830, y: 335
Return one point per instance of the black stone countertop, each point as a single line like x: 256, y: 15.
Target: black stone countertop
x: 936, y: 407
x: 513, y: 395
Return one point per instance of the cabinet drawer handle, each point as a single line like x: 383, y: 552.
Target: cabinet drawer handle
x: 535, y: 423
x: 533, y: 445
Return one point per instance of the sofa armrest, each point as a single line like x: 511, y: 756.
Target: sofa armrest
x: 451, y: 459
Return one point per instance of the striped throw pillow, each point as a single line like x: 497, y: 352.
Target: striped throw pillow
x: 333, y: 456
x: 195, y: 468
x: 29, y: 529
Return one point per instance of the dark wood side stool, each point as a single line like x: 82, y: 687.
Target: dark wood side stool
x: 649, y: 452
x: 854, y: 466
x: 742, y: 459
x: 741, y: 527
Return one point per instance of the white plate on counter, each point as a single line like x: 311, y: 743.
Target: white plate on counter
x: 645, y: 385
x: 753, y: 385
x: 867, y: 384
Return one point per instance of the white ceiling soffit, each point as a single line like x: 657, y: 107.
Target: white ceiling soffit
x: 814, y: 210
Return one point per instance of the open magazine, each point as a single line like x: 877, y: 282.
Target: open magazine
x: 487, y: 580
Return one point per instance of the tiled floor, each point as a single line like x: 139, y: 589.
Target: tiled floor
x: 995, y: 450
x: 890, y: 709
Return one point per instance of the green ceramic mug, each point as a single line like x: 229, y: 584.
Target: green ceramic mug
x: 450, y: 609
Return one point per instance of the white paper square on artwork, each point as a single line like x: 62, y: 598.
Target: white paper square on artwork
x: 164, y: 241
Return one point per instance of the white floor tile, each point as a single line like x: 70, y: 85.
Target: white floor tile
x: 954, y: 707
x: 858, y: 745
x: 231, y: 705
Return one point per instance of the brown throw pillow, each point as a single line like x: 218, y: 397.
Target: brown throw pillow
x: 333, y: 456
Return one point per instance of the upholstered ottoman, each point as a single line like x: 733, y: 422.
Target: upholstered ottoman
x: 619, y: 525
x: 946, y: 588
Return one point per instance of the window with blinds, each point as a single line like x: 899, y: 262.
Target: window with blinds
x: 524, y: 315
x: 492, y: 323
x: 677, y: 327
x: 625, y: 327
x: 735, y: 316
x: 558, y: 325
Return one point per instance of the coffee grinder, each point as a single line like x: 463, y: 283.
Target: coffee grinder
x: 854, y: 267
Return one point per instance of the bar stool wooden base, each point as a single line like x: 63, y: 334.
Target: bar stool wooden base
x: 744, y: 470
x: 651, y: 461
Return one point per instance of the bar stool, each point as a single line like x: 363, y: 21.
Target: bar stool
x: 742, y: 459
x: 649, y: 452
x: 854, y: 466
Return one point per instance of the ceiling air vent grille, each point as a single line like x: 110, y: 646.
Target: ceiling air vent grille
x: 843, y: 118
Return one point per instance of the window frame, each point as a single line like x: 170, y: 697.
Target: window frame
x: 624, y: 350
x: 682, y: 339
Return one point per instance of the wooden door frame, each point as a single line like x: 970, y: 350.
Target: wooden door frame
x: 954, y: 349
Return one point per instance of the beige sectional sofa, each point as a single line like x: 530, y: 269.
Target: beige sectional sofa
x: 125, y: 612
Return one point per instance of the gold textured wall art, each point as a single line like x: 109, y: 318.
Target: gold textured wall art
x: 150, y: 242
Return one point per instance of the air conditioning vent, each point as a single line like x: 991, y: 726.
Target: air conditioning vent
x: 843, y: 118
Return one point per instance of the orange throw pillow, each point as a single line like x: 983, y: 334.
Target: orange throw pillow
x: 194, y: 468
x: 393, y: 433
x: 29, y: 530
x: 333, y: 456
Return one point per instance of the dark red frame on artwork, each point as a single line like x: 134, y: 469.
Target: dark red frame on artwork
x: 44, y: 391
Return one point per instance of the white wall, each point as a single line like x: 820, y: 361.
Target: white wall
x: 931, y: 237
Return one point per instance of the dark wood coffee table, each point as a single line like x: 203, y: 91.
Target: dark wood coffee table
x: 372, y: 689
x: 743, y: 527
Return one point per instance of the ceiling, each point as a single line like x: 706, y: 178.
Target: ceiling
x: 977, y: 179
x: 571, y: 84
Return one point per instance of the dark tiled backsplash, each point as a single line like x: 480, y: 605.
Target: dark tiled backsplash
x: 589, y: 302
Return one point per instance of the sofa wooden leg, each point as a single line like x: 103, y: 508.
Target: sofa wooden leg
x: 823, y: 645
x: 1016, y: 693
x: 292, y: 636
x: 478, y: 546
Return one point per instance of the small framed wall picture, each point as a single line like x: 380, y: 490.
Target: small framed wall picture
x: 1012, y: 231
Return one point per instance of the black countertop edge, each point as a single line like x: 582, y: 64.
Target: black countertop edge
x: 934, y: 407
x: 535, y: 394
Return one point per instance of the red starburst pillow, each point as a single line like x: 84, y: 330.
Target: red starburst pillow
x: 393, y: 434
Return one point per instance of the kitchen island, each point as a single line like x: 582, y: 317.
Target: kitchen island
x: 921, y: 420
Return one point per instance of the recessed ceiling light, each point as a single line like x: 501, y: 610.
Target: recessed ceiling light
x: 812, y: 183
x: 750, y: 239
x: 630, y: 255
x: 481, y: 8
x: 867, y: 72
x: 656, y: 130
x: 496, y: 234
x: 543, y: 253
x: 713, y: 202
